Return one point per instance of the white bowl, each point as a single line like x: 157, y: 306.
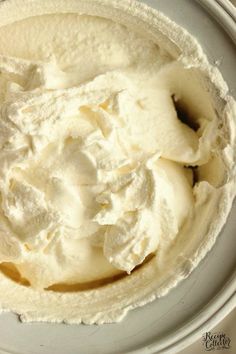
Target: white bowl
x: 197, y: 303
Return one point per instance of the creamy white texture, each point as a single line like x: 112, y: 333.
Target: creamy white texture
x: 83, y: 171
x: 97, y: 168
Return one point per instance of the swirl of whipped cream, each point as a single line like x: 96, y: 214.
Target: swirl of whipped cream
x: 83, y: 171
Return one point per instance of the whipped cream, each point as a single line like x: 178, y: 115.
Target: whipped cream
x: 113, y: 146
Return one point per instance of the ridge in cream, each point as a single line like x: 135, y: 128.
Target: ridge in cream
x: 117, y: 149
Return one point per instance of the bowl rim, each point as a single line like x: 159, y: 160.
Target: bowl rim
x: 212, y: 314
x: 225, y: 300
